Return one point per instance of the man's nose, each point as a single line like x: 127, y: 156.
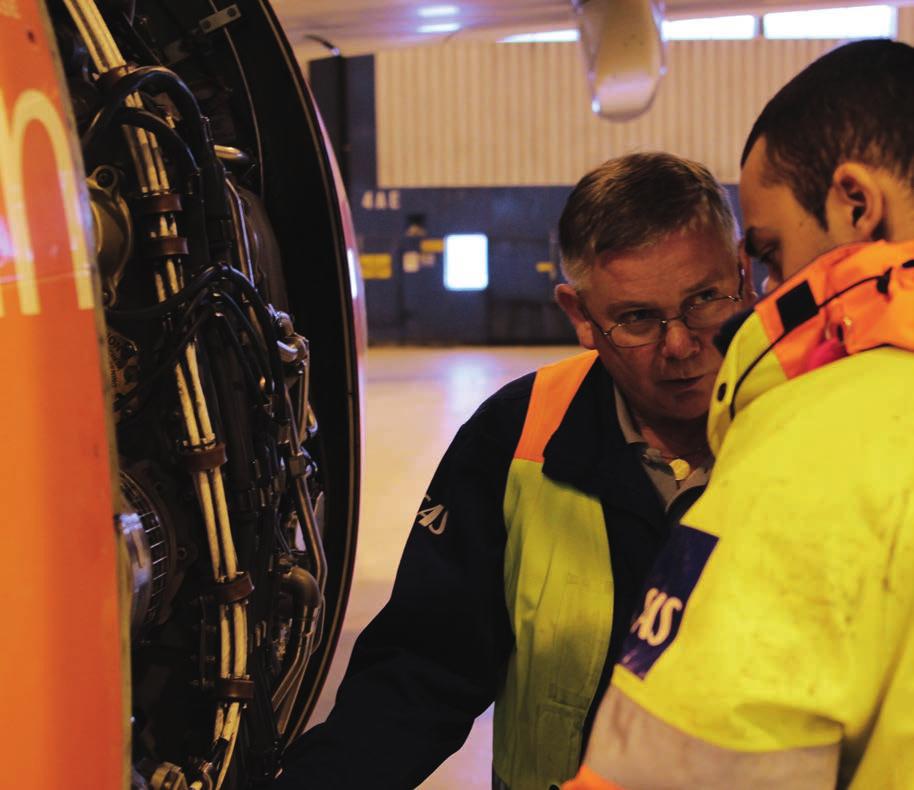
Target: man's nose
x: 679, y: 342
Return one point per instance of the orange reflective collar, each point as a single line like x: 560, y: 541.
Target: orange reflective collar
x: 861, y: 295
x: 554, y: 388
x: 588, y: 779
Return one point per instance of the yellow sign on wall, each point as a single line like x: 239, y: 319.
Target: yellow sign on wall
x: 376, y: 266
x: 431, y: 245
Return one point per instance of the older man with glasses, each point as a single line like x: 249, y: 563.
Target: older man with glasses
x: 651, y: 260
x: 524, y: 566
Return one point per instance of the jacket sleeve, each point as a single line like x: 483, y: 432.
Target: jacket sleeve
x: 433, y: 658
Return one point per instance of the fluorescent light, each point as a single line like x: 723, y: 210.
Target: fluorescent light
x: 547, y: 36
x: 872, y: 21
x: 430, y: 11
x: 466, y: 262
x: 440, y: 27
x: 719, y: 27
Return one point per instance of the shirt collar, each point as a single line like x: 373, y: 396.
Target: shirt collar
x: 658, y: 469
x: 630, y: 432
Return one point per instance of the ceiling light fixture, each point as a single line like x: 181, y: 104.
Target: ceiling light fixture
x: 430, y: 11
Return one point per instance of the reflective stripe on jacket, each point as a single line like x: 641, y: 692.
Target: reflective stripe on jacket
x: 559, y: 594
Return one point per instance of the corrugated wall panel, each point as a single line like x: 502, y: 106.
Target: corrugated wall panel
x: 517, y: 115
x: 906, y: 25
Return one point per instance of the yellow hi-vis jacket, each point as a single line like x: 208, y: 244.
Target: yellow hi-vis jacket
x: 776, y: 644
x: 559, y: 595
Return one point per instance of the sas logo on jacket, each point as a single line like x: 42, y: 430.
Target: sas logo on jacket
x: 669, y: 586
x: 433, y: 518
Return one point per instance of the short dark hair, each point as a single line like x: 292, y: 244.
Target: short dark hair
x: 855, y: 103
x: 634, y: 201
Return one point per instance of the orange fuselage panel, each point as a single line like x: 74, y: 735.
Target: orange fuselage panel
x: 62, y: 694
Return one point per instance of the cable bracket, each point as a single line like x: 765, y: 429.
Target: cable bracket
x: 234, y: 689
x: 204, y: 457
x: 237, y: 590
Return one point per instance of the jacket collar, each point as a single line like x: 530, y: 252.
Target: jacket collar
x: 590, y: 452
x: 854, y: 298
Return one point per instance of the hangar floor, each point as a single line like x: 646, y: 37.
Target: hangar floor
x: 415, y: 399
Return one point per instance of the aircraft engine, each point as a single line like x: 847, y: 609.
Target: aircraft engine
x: 227, y: 284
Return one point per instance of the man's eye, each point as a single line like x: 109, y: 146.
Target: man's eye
x: 768, y: 259
x: 633, y: 316
x: 706, y: 296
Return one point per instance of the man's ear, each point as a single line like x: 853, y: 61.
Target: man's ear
x: 567, y: 298
x: 745, y: 263
x: 855, y: 205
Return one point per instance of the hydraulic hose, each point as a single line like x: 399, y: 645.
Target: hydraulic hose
x: 153, y: 177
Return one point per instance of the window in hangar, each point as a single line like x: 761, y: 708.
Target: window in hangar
x: 873, y: 21
x: 720, y: 28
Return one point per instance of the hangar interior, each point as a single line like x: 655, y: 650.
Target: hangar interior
x: 183, y: 293
x: 473, y: 137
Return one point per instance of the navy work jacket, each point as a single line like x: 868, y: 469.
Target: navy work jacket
x: 434, y: 657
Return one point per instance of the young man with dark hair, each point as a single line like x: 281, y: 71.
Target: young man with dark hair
x: 552, y: 502
x: 775, y: 647
x: 830, y: 160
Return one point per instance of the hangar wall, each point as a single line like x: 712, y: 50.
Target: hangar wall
x: 400, y: 232
x: 485, y: 138
x: 487, y: 114
x: 495, y: 114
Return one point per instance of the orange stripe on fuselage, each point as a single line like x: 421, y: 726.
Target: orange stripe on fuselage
x: 553, y: 390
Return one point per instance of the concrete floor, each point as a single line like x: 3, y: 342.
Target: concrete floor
x: 415, y: 400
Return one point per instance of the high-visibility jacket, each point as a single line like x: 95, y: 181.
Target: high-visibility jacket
x: 443, y: 648
x: 776, y: 643
x: 559, y: 595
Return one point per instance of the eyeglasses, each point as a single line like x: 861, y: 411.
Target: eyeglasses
x: 706, y: 314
